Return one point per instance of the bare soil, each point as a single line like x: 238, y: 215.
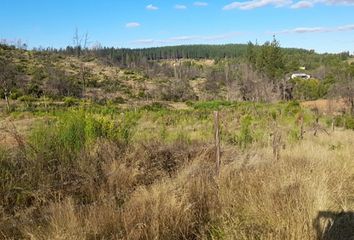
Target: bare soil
x: 326, y: 106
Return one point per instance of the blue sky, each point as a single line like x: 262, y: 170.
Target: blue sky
x: 323, y: 25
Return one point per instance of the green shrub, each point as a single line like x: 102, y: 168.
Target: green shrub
x: 155, y: 107
x: 119, y: 100
x: 345, y: 121
x: 16, y: 94
x: 294, y: 134
x: 245, y: 136
x: 211, y: 105
x: 27, y: 98
x: 292, y: 108
x: 129, y: 72
x: 127, y: 125
x: 70, y: 101
x: 349, y: 123
x: 307, y: 89
x: 64, y: 138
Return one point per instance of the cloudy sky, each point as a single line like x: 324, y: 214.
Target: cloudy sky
x: 323, y: 25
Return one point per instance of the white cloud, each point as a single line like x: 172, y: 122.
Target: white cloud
x: 305, y: 30
x: 345, y: 28
x: 180, y: 7
x: 252, y: 4
x: 132, y: 25
x: 181, y: 38
x: 222, y: 36
x: 248, y: 5
x: 337, y: 2
x: 200, y: 4
x: 302, y: 4
x: 144, y: 41
x: 151, y: 7
x: 186, y: 38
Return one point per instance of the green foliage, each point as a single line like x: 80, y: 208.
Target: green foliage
x: 34, y: 89
x: 119, y: 100
x: 345, y: 121
x: 292, y: 108
x: 27, y: 98
x: 311, y: 89
x: 155, y: 106
x: 270, y: 60
x: 126, y: 126
x: 70, y: 101
x: 66, y: 137
x: 60, y: 140
x: 211, y: 105
x: 245, y: 135
x: 294, y: 134
x: 15, y: 93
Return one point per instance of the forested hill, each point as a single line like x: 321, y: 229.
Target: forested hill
x: 195, y: 52
x: 204, y: 72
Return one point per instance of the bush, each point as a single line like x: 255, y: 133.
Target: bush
x: 245, y: 136
x: 119, y: 100
x: 346, y: 121
x: 349, y: 123
x: 70, y: 101
x: 15, y: 94
x: 211, y: 105
x: 27, y: 99
x: 292, y: 108
x: 309, y: 89
x: 155, y: 107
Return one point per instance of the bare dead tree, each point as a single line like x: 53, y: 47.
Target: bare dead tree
x: 80, y: 42
x: 77, y: 42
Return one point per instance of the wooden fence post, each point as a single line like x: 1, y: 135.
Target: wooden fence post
x: 302, y: 128
x: 217, y: 142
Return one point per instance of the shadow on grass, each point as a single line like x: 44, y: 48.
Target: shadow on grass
x: 334, y: 225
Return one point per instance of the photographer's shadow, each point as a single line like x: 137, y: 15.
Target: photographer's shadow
x: 334, y: 226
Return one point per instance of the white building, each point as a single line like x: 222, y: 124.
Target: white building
x: 300, y: 75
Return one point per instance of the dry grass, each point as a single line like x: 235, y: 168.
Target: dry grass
x: 170, y: 191
x: 326, y: 106
x: 281, y: 199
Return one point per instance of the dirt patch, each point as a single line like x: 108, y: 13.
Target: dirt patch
x: 179, y: 106
x: 328, y: 107
x: 11, y: 131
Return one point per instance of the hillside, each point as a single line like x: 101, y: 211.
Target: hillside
x: 102, y: 81
x: 127, y: 75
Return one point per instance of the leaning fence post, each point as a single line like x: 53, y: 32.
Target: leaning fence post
x: 217, y: 141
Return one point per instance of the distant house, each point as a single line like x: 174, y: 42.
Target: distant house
x: 300, y: 75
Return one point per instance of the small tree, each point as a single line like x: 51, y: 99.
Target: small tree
x: 7, y: 79
x: 345, y: 85
x: 60, y: 85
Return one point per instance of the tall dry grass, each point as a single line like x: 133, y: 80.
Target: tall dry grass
x: 170, y: 191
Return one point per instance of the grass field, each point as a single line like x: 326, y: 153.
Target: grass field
x: 148, y: 172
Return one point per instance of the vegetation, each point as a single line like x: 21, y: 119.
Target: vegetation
x: 111, y: 143
x: 149, y: 173
x: 231, y: 72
